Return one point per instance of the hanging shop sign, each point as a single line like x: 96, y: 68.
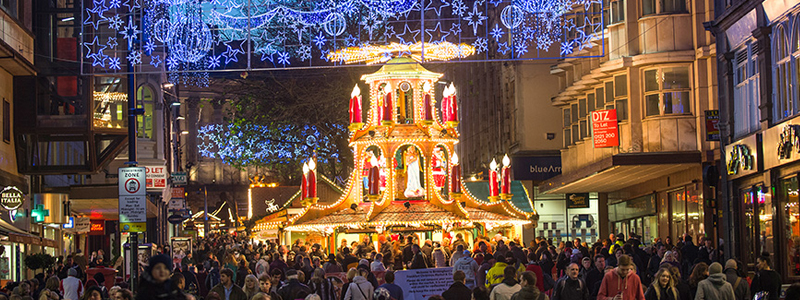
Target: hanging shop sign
x: 11, y: 198
x: 537, y: 168
x: 132, y: 201
x: 605, y: 132
x: 175, y: 219
x: 781, y: 144
x: 97, y: 227
x: 156, y: 177
x: 742, y: 157
x: 179, y: 178
x: 712, y: 125
x: 579, y: 200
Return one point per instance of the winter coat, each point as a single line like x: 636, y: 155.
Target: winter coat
x: 505, y: 290
x: 480, y: 278
x: 536, y: 269
x: 419, y: 261
x: 740, y: 288
x: 439, y: 258
x: 467, y: 265
x: 236, y: 292
x: 294, y: 289
x: 495, y: 274
x: 457, y: 291
x: 360, y: 289
x: 655, y: 292
x: 715, y: 287
x: 612, y: 285
x: 454, y: 258
x: 148, y: 289
x: 569, y: 289
x: 528, y: 292
x: 322, y: 287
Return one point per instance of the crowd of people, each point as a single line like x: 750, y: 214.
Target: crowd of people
x: 226, y: 267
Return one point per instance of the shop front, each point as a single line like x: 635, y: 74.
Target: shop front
x: 764, y: 186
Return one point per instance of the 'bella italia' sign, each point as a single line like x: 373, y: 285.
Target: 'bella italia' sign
x: 11, y: 198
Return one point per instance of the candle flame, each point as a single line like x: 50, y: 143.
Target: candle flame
x: 305, y: 168
x: 311, y: 164
x: 446, y: 92
x: 356, y: 91
x: 452, y: 89
x: 493, y: 165
x: 455, y: 159
x: 387, y: 88
x: 506, y: 161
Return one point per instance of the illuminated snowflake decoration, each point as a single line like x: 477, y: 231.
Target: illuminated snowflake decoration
x: 194, y: 36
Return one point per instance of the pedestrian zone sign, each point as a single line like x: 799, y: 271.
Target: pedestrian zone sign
x: 132, y: 199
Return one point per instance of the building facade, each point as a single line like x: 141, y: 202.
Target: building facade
x: 654, y: 66
x: 757, y: 43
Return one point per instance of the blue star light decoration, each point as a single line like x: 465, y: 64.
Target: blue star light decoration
x: 193, y: 36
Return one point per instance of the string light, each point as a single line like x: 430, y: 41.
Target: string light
x: 373, y: 54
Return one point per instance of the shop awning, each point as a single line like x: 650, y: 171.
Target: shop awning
x: 619, y: 171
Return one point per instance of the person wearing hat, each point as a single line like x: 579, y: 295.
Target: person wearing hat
x: 155, y: 282
x: 293, y: 289
x: 469, y: 267
x: 72, y: 287
x: 715, y: 287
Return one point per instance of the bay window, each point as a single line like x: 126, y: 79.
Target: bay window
x: 667, y: 91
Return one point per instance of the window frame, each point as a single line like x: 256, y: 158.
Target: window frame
x: 746, y: 91
x: 617, y: 9
x: 661, y: 91
x: 142, y: 120
x: 784, y: 65
x: 6, y: 121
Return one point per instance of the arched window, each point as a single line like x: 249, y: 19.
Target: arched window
x: 144, y: 100
x: 784, y: 82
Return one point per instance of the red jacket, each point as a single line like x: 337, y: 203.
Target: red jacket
x: 539, y: 276
x: 630, y: 287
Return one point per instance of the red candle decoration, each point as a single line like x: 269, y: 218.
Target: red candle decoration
x: 355, y: 105
x: 428, y: 108
x: 506, y: 186
x: 304, y: 183
x: 312, y: 179
x: 455, y: 176
x: 493, y: 181
x: 388, y: 106
x: 446, y: 104
x: 374, y: 179
x: 453, y: 104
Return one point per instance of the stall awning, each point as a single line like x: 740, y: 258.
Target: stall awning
x: 620, y: 171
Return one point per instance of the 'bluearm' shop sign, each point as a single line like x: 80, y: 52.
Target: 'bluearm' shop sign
x: 11, y: 198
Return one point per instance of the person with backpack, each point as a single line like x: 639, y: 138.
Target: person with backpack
x: 469, y: 267
x: 571, y: 287
x: 663, y: 287
x: 740, y: 288
x: 213, y: 276
x: 360, y: 288
x: 715, y: 287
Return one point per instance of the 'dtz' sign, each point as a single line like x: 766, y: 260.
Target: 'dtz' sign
x: 604, y: 128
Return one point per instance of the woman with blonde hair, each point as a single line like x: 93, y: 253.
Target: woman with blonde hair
x: 350, y: 275
x: 663, y: 287
x: 250, y: 286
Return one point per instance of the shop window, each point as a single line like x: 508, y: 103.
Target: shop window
x: 791, y: 217
x: 667, y: 91
x: 784, y: 83
x: 677, y: 201
x: 746, y: 114
x: 750, y: 224
x: 144, y: 97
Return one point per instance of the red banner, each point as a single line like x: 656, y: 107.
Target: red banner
x: 605, y: 132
